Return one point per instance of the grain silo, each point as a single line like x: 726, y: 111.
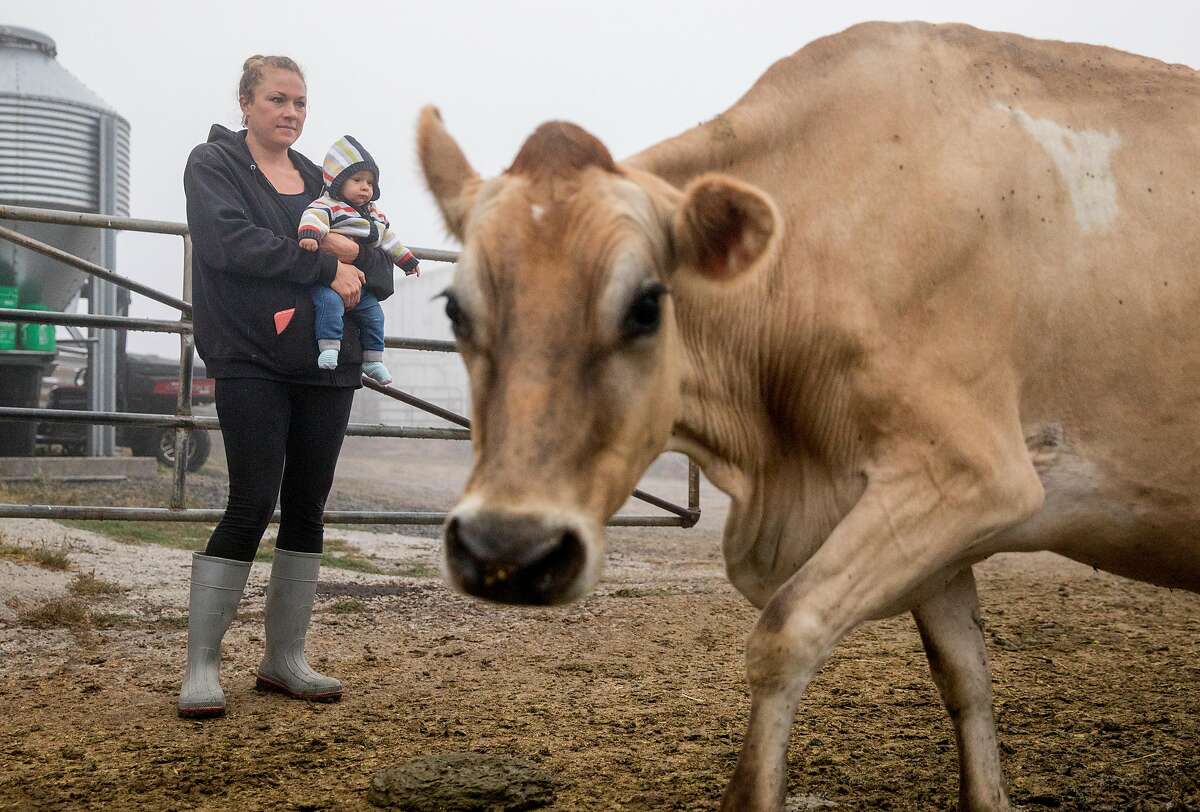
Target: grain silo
x: 61, y: 147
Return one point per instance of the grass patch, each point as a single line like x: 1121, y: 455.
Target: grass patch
x: 122, y: 620
x: 113, y: 620
x: 67, y: 613
x: 349, y: 606
x: 177, y: 535
x: 171, y: 621
x: 45, y: 557
x: 87, y: 584
x: 343, y: 555
x: 118, y: 620
x: 339, y: 554
x: 51, y: 559
x: 417, y: 569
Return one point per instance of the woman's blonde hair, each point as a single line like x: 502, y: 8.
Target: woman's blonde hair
x: 252, y: 73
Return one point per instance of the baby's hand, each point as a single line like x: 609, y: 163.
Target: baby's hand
x: 309, y: 244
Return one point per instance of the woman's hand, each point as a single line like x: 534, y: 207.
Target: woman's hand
x: 340, y: 246
x: 347, y: 283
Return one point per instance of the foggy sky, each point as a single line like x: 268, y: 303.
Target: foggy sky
x: 631, y: 71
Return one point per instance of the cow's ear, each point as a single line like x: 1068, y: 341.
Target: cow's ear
x: 449, y: 176
x: 724, y: 227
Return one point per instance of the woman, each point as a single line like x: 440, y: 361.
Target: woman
x: 282, y: 418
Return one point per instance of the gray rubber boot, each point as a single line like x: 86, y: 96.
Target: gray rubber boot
x: 217, y: 586
x: 289, y: 609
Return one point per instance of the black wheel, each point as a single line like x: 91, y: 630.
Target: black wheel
x: 198, y: 447
x: 142, y: 442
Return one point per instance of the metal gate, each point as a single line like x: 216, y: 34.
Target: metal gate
x: 184, y: 421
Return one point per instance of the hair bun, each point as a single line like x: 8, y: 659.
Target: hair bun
x: 253, y: 69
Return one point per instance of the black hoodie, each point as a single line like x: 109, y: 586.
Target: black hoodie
x: 248, y: 270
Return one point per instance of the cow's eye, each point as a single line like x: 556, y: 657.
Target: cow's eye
x: 645, y: 313
x: 458, y: 319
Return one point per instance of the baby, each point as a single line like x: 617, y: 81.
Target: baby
x: 348, y: 207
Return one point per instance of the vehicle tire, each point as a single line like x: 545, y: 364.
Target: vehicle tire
x: 198, y: 447
x: 143, y: 442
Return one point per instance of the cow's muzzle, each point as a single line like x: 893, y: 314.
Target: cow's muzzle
x: 517, y: 559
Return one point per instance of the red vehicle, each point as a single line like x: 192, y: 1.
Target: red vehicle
x: 145, y: 384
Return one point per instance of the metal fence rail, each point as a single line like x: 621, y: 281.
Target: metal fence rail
x: 183, y: 421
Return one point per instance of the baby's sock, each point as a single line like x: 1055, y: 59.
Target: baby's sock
x: 376, y: 371
x: 328, y: 359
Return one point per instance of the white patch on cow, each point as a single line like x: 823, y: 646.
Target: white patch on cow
x: 1083, y: 160
x: 538, y: 212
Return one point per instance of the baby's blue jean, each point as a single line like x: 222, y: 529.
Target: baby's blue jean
x: 329, y: 312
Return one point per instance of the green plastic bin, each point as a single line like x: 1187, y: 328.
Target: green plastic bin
x: 37, y: 337
x: 8, y: 329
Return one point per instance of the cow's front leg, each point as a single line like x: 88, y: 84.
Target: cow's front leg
x: 902, y: 531
x: 952, y: 633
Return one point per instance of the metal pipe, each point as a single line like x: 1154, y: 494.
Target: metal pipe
x: 187, y: 268
x: 693, y: 489
x: 102, y: 300
x: 183, y: 408
x: 30, y: 214
x: 405, y: 432
x: 106, y: 418
x: 87, y: 320
x: 198, y: 423
x: 427, y: 344
x: 671, y: 507
x: 434, y: 254
x: 213, y: 515
x: 92, y: 268
x: 413, y: 400
x: 183, y: 397
x: 647, y: 521
x: 159, y: 326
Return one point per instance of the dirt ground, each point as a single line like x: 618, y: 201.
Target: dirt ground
x: 633, y: 698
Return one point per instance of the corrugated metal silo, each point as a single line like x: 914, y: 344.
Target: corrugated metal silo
x: 61, y: 147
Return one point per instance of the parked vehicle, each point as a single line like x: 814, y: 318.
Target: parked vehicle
x: 146, y: 384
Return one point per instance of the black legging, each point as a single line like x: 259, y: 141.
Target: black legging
x: 277, y: 434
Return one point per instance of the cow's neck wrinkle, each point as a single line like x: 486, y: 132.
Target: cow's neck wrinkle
x: 765, y: 413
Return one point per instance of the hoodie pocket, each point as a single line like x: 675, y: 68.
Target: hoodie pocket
x: 294, y: 346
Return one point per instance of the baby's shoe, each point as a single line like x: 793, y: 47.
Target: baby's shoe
x: 328, y: 359
x: 376, y: 371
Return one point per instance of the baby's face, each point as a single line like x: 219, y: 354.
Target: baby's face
x: 359, y: 188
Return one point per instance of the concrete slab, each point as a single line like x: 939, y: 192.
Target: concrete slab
x: 76, y: 469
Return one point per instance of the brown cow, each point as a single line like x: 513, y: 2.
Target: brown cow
x: 922, y: 295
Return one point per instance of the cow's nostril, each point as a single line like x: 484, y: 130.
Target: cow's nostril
x: 467, y: 564
x: 514, y: 559
x: 552, y: 574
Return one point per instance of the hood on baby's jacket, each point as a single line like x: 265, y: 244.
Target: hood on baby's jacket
x: 344, y: 158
